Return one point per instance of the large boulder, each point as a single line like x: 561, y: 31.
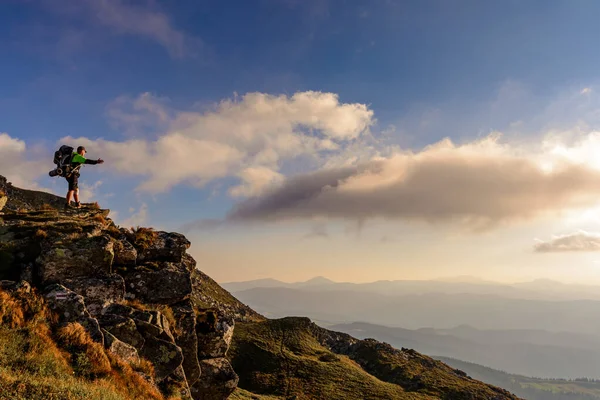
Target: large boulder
x: 177, y: 384
x: 98, y: 292
x: 70, y: 307
x: 123, y: 328
x: 158, y: 283
x: 163, y: 246
x: 218, y: 380
x: 125, y: 253
x: 84, y: 257
x: 165, y: 356
x: 186, y: 338
x: 126, y: 351
x: 214, y: 330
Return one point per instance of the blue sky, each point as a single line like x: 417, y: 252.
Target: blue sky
x: 205, y: 108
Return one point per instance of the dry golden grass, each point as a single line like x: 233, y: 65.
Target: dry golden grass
x: 99, y: 218
x: 142, y: 237
x: 144, y: 366
x: 47, y: 207
x: 11, y: 314
x: 40, y: 361
x: 88, y: 357
x: 41, y: 234
x: 74, y: 235
x: 113, y: 230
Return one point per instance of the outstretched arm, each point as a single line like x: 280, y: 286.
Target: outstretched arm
x: 93, y: 162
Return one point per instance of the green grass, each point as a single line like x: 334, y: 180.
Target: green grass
x: 284, y: 358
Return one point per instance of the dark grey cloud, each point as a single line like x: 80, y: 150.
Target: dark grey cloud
x: 477, y: 189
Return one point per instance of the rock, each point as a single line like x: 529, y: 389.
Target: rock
x: 125, y: 253
x: 214, y: 330
x: 3, y: 200
x: 165, y: 356
x: 177, y: 383
x: 218, y: 380
x: 165, y: 246
x: 162, y: 283
x: 121, y: 349
x: 85, y: 257
x: 70, y: 307
x: 123, y: 328
x: 148, y: 322
x: 185, y: 337
x: 12, y: 286
x: 98, y: 292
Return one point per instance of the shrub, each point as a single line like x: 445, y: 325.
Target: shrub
x: 88, y: 357
x: 11, y: 313
x: 99, y: 218
x: 141, y: 237
x: 41, y: 234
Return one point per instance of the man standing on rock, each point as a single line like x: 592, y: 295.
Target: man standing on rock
x: 77, y: 160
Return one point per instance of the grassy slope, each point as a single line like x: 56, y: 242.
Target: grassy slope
x: 208, y: 294
x: 284, y: 358
x: 290, y: 362
x: 529, y: 388
x: 39, y: 361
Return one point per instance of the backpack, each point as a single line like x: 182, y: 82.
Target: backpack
x: 62, y: 159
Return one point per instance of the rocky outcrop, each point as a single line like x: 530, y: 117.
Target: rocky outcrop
x: 218, y: 381
x: 125, y: 351
x: 70, y: 307
x: 100, y: 292
x: 158, y: 283
x: 132, y: 290
x: 215, y: 331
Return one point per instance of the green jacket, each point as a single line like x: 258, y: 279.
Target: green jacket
x: 77, y: 159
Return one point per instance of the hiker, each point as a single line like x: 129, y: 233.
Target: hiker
x: 77, y: 160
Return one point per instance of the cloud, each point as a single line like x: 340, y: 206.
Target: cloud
x: 126, y: 18
x: 578, y: 241
x: 19, y: 164
x: 255, y: 181
x: 88, y: 192
x: 139, y: 115
x: 251, y: 137
x: 479, y: 184
x: 137, y: 218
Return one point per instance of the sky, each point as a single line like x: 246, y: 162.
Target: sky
x: 357, y: 140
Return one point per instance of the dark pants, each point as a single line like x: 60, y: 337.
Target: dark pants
x: 73, y: 182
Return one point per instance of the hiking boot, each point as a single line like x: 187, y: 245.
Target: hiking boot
x: 77, y: 204
x: 68, y: 206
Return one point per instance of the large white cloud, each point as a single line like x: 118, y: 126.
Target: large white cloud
x: 250, y: 137
x: 19, y: 164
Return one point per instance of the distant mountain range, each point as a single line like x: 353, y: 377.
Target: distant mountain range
x: 518, y: 328
x: 530, y: 388
x: 540, y: 289
x: 525, y: 352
